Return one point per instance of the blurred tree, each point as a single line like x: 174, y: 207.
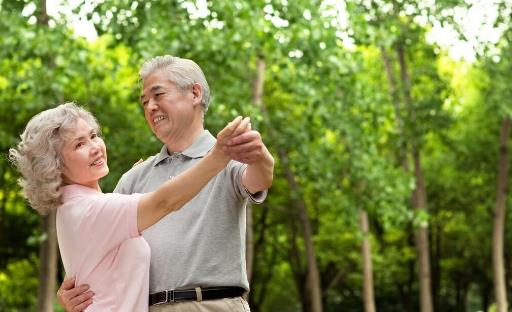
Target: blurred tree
x: 499, y: 68
x: 391, y: 26
x: 48, y: 249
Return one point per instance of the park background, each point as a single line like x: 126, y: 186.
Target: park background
x: 389, y: 121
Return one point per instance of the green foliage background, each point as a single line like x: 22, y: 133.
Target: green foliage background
x: 330, y: 110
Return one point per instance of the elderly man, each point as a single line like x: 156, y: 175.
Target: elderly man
x: 198, y: 253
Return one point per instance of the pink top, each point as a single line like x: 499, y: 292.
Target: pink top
x: 101, y: 246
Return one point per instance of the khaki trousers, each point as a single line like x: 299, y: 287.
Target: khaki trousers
x: 220, y: 305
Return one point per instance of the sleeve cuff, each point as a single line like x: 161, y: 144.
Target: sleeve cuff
x: 134, y: 229
x: 257, y: 197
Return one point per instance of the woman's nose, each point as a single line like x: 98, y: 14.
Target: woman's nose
x: 95, y: 147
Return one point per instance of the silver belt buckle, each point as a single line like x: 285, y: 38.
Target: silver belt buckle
x: 169, y: 297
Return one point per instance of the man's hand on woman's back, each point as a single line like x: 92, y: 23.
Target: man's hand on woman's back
x: 74, y: 299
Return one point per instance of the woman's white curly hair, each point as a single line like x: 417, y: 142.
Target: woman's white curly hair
x: 38, y: 155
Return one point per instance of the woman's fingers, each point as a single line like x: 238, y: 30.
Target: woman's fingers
x: 243, y: 127
x: 229, y: 128
x: 236, y: 127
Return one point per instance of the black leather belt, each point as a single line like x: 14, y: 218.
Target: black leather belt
x: 208, y: 293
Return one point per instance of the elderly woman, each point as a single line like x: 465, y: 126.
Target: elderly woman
x: 61, y: 158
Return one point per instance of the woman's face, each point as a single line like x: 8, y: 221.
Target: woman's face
x: 85, y: 156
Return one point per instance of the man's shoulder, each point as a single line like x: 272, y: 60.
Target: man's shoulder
x: 142, y: 167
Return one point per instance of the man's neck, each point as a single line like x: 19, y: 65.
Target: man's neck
x: 180, y: 144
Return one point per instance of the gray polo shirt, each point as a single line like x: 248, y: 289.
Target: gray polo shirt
x: 203, y: 243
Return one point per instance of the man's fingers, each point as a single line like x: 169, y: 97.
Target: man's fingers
x: 250, y: 149
x: 81, y: 299
x: 245, y: 147
x: 68, y: 283
x: 250, y: 136
x: 82, y: 306
x: 74, y: 298
x: 69, y: 295
x: 246, y: 159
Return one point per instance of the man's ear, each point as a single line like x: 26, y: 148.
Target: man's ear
x: 197, y: 93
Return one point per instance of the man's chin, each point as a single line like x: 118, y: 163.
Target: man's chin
x: 162, y: 136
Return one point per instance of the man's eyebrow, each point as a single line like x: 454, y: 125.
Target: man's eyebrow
x: 152, y: 90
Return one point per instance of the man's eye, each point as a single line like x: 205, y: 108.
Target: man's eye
x: 145, y: 103
x: 158, y: 94
x: 79, y: 145
x: 94, y: 135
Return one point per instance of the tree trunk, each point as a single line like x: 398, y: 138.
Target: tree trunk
x: 499, y: 220
x: 265, y: 274
x: 368, y: 297
x: 419, y: 197
x: 298, y: 265
x: 395, y: 99
x: 48, y: 258
x: 486, y: 290
x: 422, y: 241
x: 48, y: 264
x: 404, y: 142
x: 313, y: 275
x: 43, y: 19
x: 257, y: 100
x: 411, y: 274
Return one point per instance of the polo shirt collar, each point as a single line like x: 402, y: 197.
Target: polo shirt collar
x: 201, y: 146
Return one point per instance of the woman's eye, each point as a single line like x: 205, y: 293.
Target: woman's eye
x: 94, y: 135
x: 79, y: 145
x: 158, y: 94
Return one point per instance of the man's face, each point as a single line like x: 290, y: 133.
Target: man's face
x: 168, y: 109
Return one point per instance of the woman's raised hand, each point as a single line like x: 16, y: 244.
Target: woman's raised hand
x: 236, y: 127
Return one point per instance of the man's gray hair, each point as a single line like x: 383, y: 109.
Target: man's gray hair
x: 183, y: 72
x: 38, y: 155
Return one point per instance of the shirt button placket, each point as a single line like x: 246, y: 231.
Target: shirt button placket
x: 172, y: 160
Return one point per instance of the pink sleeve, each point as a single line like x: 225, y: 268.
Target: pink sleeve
x: 112, y: 219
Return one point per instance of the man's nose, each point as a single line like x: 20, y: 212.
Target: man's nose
x: 152, y: 105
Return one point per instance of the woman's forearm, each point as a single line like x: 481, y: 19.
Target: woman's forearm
x: 175, y: 193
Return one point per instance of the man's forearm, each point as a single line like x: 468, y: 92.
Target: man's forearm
x: 259, y: 175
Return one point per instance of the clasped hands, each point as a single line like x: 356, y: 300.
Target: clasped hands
x: 240, y: 142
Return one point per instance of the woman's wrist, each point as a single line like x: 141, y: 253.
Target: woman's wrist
x: 218, y: 157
